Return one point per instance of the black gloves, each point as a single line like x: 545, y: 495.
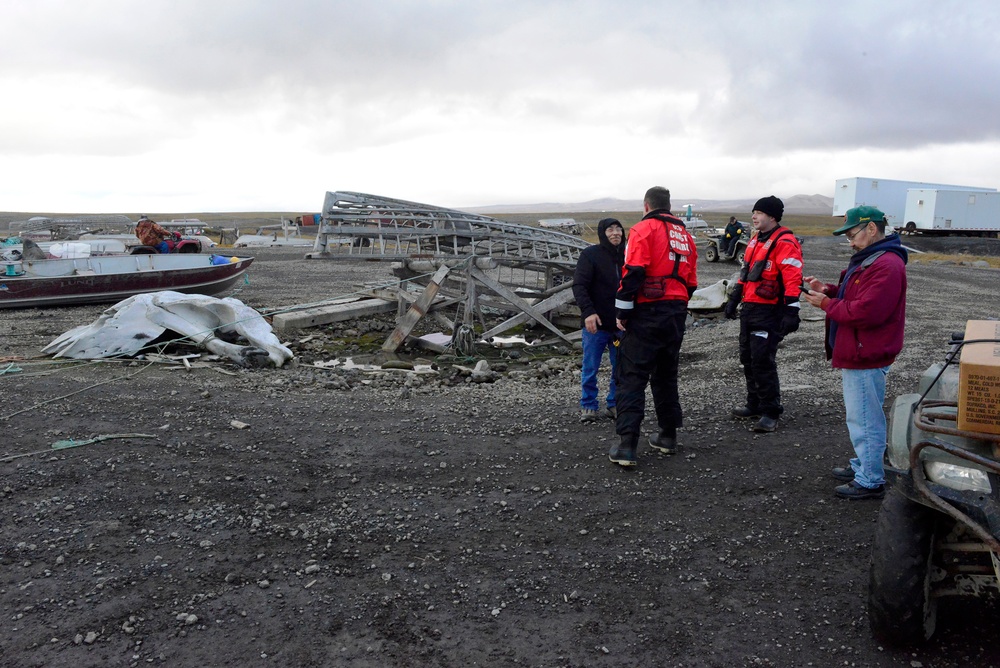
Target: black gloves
x: 735, y: 297
x: 789, y: 320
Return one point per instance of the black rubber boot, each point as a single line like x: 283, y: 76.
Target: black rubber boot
x: 664, y: 443
x: 766, y: 425
x: 623, y: 453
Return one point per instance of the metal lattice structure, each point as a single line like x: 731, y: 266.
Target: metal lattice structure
x: 62, y: 228
x: 361, y: 226
x: 528, y: 269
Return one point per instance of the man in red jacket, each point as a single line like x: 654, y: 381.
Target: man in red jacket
x: 768, y: 288
x: 865, y: 314
x: 659, y: 277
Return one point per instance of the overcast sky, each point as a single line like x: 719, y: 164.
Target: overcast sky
x: 264, y: 105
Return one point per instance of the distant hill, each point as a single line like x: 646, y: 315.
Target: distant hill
x: 797, y: 204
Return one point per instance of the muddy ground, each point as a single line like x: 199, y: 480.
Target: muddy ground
x: 400, y: 520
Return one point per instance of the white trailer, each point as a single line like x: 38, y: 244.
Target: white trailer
x: 959, y: 212
x: 887, y: 195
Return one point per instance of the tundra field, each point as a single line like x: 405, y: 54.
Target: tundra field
x: 310, y: 516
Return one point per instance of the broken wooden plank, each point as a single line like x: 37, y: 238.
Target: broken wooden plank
x: 441, y: 319
x: 311, y: 317
x: 510, y: 296
x: 572, y: 336
x: 416, y: 311
x: 558, y: 299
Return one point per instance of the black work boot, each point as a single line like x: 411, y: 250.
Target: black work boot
x: 845, y: 473
x: 766, y: 425
x: 664, y: 443
x: 745, y: 412
x: 623, y: 453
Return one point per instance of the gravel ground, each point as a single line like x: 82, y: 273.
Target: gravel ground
x: 317, y: 517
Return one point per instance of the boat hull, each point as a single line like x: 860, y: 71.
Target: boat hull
x: 104, y: 280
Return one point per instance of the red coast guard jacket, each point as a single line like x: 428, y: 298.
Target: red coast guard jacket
x: 782, y: 276
x: 661, y: 262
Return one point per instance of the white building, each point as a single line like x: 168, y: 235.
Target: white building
x: 887, y: 195
x: 940, y: 211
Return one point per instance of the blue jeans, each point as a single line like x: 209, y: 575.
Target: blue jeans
x: 864, y: 394
x: 593, y: 351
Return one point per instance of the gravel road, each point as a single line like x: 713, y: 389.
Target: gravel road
x: 319, y: 517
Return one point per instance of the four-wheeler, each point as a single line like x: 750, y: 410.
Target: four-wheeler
x: 938, y: 530
x: 177, y: 244
x: 713, y: 253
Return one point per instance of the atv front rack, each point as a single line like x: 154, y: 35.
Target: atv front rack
x: 927, y: 415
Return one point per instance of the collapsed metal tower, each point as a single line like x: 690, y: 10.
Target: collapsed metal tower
x: 530, y: 269
x: 64, y: 228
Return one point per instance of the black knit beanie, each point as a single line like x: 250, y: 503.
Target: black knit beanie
x: 770, y: 205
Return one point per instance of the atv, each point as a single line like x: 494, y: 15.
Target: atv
x: 938, y: 530
x: 176, y: 244
x: 714, y: 251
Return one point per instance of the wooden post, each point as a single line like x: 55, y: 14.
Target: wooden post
x: 416, y: 312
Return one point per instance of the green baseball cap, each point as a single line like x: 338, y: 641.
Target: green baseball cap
x: 860, y: 215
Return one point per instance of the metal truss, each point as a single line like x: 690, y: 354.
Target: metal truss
x: 528, y: 269
x: 70, y: 227
x: 361, y: 226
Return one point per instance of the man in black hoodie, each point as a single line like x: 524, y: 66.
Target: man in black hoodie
x: 598, y: 272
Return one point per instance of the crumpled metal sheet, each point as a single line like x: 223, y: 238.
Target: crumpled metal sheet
x: 130, y: 325
x: 712, y: 297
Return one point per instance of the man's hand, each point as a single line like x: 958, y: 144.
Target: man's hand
x: 814, y: 283
x: 789, y: 320
x: 815, y: 298
x: 592, y: 322
x: 620, y: 323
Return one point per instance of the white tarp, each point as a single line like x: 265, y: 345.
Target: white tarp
x: 712, y: 297
x: 130, y: 325
x: 715, y: 296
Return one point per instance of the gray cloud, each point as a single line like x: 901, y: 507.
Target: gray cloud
x: 337, y: 78
x: 878, y: 75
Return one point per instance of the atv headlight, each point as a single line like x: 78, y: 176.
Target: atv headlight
x: 961, y: 478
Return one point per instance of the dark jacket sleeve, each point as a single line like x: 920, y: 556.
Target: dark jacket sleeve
x: 583, y: 278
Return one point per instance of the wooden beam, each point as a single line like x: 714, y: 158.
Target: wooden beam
x: 416, y: 312
x: 512, y: 297
x: 545, y: 305
x: 323, y: 315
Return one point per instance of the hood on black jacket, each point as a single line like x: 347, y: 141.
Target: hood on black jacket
x: 602, y: 237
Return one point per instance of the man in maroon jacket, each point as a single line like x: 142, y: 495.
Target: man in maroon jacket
x: 865, y: 314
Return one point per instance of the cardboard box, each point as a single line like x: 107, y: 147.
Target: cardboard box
x: 979, y: 379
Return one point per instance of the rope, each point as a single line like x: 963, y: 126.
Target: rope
x: 463, y: 341
x: 71, y: 443
x: 10, y: 368
x: 66, y: 396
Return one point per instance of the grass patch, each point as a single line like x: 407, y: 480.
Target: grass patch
x: 959, y: 259
x: 803, y: 225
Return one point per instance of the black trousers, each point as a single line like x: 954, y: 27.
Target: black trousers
x: 759, y: 339
x: 649, y: 353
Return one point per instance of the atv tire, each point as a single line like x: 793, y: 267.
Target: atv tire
x: 901, y: 611
x: 712, y: 253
